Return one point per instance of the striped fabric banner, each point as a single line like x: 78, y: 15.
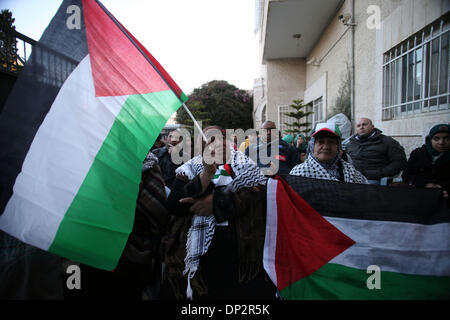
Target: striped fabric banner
x: 321, y: 244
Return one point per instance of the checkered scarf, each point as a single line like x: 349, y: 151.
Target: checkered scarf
x: 311, y: 168
x: 201, y: 232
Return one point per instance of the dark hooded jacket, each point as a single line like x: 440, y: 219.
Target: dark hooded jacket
x: 167, y: 166
x: 421, y: 170
x: 377, y: 156
x: 288, y: 156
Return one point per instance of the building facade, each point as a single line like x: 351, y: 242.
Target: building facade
x: 392, y: 55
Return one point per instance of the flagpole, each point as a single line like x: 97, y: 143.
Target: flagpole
x: 151, y: 63
x: 195, y: 122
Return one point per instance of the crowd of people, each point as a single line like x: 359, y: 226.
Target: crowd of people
x: 199, y: 226
x: 214, y: 239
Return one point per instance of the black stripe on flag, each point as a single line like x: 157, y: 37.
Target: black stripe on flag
x: 370, y: 202
x: 52, y: 60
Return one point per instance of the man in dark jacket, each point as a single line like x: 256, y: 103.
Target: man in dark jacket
x: 164, y: 156
x: 287, y: 158
x: 374, y: 154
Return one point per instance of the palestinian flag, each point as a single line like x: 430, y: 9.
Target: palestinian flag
x: 74, y: 132
x: 222, y: 177
x: 331, y: 240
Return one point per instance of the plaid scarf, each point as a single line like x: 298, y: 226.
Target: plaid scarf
x: 201, y: 232
x: 311, y: 168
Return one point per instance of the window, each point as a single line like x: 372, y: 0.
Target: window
x: 283, y: 118
x: 318, y: 111
x: 416, y: 73
x: 263, y: 114
x: 316, y: 107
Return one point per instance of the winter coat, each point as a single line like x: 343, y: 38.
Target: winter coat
x: 233, y: 264
x: 421, y: 171
x: 167, y: 166
x: 377, y: 156
x: 288, y: 156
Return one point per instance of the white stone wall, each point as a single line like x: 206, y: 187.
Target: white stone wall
x: 285, y: 82
x: 411, y: 131
x: 287, y: 79
x: 333, y: 52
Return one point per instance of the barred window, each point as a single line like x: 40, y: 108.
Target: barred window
x: 263, y: 114
x: 283, y: 118
x: 416, y: 73
x: 317, y: 108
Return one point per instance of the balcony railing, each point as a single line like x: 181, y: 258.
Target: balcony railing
x: 15, y: 49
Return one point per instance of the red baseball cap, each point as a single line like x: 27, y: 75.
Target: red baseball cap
x: 328, y: 127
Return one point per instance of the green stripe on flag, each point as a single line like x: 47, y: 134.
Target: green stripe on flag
x: 183, y: 97
x: 222, y: 173
x: 97, y: 224
x: 335, y: 281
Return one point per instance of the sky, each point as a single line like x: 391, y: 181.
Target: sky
x: 196, y: 41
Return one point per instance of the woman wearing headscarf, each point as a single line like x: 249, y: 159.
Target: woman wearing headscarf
x: 288, y: 139
x: 324, y: 161
x: 429, y: 165
x: 215, y: 244
x: 302, y: 145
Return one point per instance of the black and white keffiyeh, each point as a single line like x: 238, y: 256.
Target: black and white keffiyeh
x: 311, y: 168
x: 150, y: 160
x: 201, y: 232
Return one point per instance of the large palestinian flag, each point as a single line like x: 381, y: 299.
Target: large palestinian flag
x: 330, y: 240
x: 74, y: 132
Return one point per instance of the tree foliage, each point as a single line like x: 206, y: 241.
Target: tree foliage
x: 198, y: 110
x: 300, y: 113
x: 8, y: 42
x: 224, y: 105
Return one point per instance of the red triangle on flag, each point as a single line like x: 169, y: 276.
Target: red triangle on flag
x: 118, y: 67
x: 228, y: 169
x: 305, y: 240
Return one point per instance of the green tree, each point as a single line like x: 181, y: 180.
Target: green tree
x: 342, y: 104
x: 8, y: 42
x: 299, y: 126
x: 225, y: 105
x: 198, y: 110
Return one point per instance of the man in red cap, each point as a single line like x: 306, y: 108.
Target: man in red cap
x: 324, y: 158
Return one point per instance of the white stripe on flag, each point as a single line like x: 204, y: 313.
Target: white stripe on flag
x: 396, y: 246
x: 270, y: 242
x: 59, y: 158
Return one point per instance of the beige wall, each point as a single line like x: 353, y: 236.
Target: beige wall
x: 287, y: 79
x: 259, y: 100
x: 284, y: 82
x: 411, y: 132
x: 332, y: 50
x: 260, y: 89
